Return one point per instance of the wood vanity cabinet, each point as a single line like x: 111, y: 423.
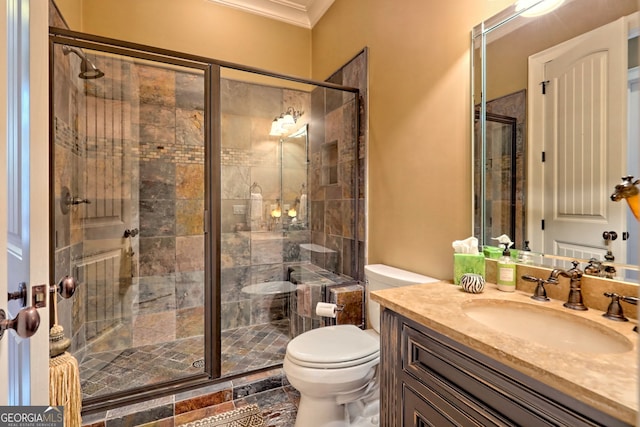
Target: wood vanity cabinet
x: 428, y: 379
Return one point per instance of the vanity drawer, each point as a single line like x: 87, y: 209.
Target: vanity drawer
x: 437, y: 404
x: 489, y: 392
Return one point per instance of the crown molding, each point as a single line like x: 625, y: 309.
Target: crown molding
x: 302, y: 13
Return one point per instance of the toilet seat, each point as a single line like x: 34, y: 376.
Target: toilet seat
x: 333, y: 347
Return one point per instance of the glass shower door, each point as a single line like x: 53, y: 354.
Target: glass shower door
x: 128, y: 174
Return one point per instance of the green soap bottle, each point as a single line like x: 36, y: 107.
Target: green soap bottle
x: 506, y: 271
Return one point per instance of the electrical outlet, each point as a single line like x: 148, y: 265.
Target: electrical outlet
x: 239, y: 209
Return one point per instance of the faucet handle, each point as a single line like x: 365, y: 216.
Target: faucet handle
x: 630, y: 300
x: 540, y: 293
x: 614, y: 310
x: 574, y: 269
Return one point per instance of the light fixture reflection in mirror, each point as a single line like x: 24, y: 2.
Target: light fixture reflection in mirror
x: 539, y: 9
x: 284, y: 123
x: 276, y: 212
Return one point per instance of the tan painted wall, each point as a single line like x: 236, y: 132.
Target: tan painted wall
x: 419, y: 70
x: 199, y: 27
x: 419, y: 120
x: 71, y: 10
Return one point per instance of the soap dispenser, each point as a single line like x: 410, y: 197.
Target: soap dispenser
x: 506, y: 270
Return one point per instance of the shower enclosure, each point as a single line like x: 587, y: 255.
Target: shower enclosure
x: 200, y: 238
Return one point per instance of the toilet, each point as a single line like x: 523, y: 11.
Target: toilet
x: 334, y: 368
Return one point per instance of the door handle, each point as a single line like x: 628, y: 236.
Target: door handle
x: 25, y: 324
x: 66, y: 287
x: 20, y: 294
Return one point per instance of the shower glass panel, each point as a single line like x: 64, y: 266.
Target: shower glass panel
x: 288, y: 209
x: 128, y: 175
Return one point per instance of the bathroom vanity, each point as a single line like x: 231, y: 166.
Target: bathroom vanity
x: 439, y: 366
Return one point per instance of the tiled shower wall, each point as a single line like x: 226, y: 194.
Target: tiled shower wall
x: 94, y: 161
x: 152, y: 291
x: 324, y: 253
x: 337, y: 154
x: 170, y: 301
x: 259, y: 250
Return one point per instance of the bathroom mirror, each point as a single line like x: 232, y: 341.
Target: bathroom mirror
x: 294, y: 171
x: 552, y: 95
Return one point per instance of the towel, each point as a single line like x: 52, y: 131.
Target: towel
x: 302, y: 210
x: 255, y: 208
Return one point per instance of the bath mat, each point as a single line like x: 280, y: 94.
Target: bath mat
x: 246, y: 416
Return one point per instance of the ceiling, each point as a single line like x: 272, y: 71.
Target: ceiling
x: 303, y: 13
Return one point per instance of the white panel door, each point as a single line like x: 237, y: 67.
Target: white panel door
x: 581, y: 126
x: 24, y: 192
x: 4, y: 344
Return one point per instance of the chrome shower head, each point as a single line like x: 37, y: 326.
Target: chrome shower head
x: 87, y: 69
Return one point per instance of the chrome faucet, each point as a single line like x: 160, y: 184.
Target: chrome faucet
x: 574, y: 301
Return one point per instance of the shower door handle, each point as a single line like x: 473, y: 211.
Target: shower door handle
x: 25, y: 324
x: 66, y: 287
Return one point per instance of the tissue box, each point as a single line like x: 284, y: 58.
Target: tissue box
x: 492, y: 252
x: 467, y: 263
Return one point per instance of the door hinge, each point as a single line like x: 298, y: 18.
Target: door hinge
x: 544, y: 84
x: 543, y: 156
x: 542, y: 224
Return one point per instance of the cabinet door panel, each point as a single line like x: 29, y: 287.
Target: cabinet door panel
x: 439, y: 399
x: 426, y: 411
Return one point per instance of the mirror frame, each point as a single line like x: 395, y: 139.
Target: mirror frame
x: 478, y: 44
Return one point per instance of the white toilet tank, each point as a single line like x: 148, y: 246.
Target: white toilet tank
x: 380, y: 276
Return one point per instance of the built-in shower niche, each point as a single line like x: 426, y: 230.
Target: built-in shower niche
x: 330, y: 163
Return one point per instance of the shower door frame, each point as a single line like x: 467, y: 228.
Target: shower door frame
x: 212, y: 208
x: 212, y: 346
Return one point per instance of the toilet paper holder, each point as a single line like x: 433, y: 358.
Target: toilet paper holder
x: 326, y: 309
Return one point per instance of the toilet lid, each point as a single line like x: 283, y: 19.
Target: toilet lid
x: 333, y: 346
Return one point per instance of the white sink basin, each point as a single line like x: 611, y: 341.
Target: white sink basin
x: 546, y: 326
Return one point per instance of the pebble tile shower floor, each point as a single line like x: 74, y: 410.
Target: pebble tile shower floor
x: 243, y: 349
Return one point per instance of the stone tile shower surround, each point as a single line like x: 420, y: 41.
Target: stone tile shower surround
x: 255, y: 251
x: 156, y: 294
x: 165, y: 202
x: 252, y: 254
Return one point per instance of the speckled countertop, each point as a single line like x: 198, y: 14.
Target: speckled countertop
x: 608, y: 382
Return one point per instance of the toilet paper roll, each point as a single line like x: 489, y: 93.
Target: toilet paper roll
x: 326, y: 309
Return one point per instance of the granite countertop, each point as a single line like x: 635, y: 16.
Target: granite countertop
x: 608, y: 382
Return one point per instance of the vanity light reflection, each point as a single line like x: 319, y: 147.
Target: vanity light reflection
x: 531, y: 9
